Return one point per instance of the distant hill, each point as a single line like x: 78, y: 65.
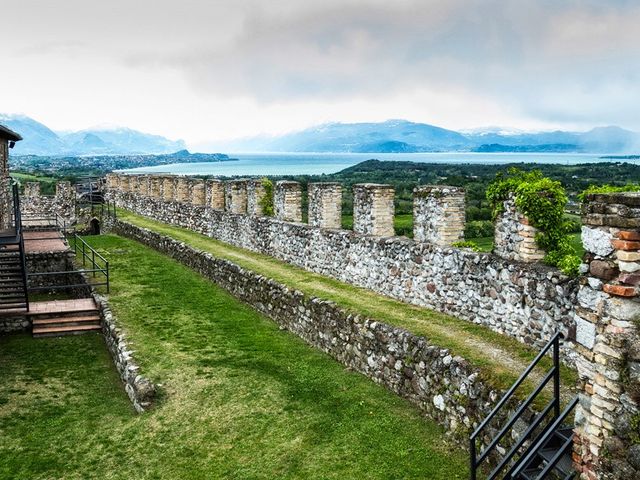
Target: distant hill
x: 40, y: 140
x: 401, y: 136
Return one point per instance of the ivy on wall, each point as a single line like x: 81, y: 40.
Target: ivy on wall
x: 631, y: 187
x: 543, y: 202
x: 266, y: 202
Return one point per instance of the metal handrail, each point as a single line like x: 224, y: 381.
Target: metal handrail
x: 543, y: 441
x: 89, y: 253
x: 552, y: 374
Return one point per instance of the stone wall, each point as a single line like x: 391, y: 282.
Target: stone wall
x: 141, y: 391
x: 63, y: 203
x: 255, y: 194
x: 287, y: 201
x: 438, y: 214
x: 515, y: 237
x: 445, y: 388
x: 325, y: 205
x: 526, y: 301
x: 608, y: 341
x: 235, y: 196
x: 373, y: 209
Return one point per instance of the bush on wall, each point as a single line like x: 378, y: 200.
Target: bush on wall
x: 543, y: 202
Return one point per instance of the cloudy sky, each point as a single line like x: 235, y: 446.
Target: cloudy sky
x: 207, y: 70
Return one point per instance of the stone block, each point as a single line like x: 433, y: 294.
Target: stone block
x: 597, y: 241
x: 603, y: 269
x: 625, y: 245
x: 255, y: 194
x: 235, y: 192
x: 287, y: 201
x: 168, y: 188
x: 32, y: 189
x: 373, y: 209
x: 325, y: 205
x: 630, y: 278
x: 619, y: 290
x: 628, y: 267
x: 215, y: 194
x: 438, y: 214
x: 631, y: 235
x: 628, y: 256
x: 585, y: 332
x: 198, y: 192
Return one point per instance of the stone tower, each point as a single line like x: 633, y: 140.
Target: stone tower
x: 8, y: 138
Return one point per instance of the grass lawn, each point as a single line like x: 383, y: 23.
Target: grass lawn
x: 402, y: 223
x: 240, y: 398
x: 500, y: 358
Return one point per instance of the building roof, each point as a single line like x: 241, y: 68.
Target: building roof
x: 8, y: 134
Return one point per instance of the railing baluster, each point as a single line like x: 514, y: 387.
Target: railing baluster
x: 552, y: 374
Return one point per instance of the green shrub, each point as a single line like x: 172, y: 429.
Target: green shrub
x: 543, y: 202
x: 266, y: 202
x: 631, y: 187
x: 466, y: 244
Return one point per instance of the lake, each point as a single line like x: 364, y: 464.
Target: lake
x: 318, y: 163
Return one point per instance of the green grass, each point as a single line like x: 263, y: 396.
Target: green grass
x: 402, y: 223
x: 500, y: 358
x: 485, y: 244
x: 240, y: 398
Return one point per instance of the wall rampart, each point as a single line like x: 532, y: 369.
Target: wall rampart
x: 444, y: 387
x: 526, y: 301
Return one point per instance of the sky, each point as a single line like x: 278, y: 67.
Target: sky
x: 212, y: 70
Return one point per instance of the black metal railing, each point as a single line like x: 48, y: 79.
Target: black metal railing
x: 543, y: 440
x: 15, y: 237
x: 552, y: 407
x: 99, y: 264
x: 85, y: 254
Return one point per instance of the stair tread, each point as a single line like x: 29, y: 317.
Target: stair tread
x: 71, y: 328
x: 84, y: 318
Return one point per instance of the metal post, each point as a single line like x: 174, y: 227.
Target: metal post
x: 556, y: 377
x: 93, y: 261
x: 107, y: 268
x: 472, y: 466
x: 83, y: 256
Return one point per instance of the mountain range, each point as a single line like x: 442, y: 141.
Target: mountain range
x: 392, y: 136
x: 401, y: 136
x: 38, y: 139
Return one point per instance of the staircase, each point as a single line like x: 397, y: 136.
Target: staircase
x: 13, y: 265
x: 543, y: 450
x: 13, y: 294
x: 64, y: 317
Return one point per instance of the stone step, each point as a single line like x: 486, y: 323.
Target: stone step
x: 39, y: 332
x: 66, y: 321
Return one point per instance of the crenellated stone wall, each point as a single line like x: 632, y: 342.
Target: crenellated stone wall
x: 198, y: 192
x: 515, y: 237
x: 325, y: 205
x: 287, y: 201
x: 255, y: 194
x: 235, y: 196
x: 607, y: 339
x: 438, y: 214
x: 215, y: 194
x: 373, y: 209
x: 526, y: 301
x: 63, y: 203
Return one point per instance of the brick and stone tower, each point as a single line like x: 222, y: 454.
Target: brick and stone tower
x: 325, y: 205
x: 373, y: 209
x: 515, y: 237
x: 606, y: 338
x: 8, y: 138
x: 438, y: 214
x: 287, y: 201
x: 215, y: 194
x: 255, y: 194
x: 235, y: 192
